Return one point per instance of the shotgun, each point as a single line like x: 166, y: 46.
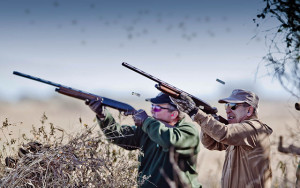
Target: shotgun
x: 175, y: 92
x: 78, y: 94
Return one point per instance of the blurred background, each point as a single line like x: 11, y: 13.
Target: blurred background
x: 83, y: 43
x: 188, y: 44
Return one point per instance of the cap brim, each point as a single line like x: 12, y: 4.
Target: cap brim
x: 155, y: 101
x: 158, y: 101
x: 230, y: 100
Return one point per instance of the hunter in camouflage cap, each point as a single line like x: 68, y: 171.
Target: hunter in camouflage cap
x: 242, y: 96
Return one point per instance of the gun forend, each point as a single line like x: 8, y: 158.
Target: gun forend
x: 167, y: 90
x: 74, y: 93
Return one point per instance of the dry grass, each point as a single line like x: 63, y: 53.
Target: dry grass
x: 85, y: 159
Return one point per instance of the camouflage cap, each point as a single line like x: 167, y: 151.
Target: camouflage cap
x: 242, y: 96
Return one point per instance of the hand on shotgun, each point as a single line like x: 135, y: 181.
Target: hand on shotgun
x: 96, y: 106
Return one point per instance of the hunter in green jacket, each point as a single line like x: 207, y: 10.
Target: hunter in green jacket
x: 157, y: 137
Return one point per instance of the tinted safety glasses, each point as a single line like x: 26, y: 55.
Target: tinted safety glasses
x: 157, y: 108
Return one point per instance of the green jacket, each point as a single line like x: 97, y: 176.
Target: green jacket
x: 155, y: 140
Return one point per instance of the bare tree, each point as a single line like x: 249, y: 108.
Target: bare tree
x: 284, y: 59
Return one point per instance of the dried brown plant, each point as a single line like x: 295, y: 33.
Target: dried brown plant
x: 86, y: 159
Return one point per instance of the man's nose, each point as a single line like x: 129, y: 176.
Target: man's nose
x: 228, y: 110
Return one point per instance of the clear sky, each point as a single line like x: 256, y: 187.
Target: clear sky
x: 82, y: 43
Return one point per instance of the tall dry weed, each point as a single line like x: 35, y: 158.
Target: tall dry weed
x: 53, y: 158
x: 288, y: 162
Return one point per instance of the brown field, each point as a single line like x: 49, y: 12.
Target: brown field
x: 65, y: 113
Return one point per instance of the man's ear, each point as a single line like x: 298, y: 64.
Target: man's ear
x: 174, y: 114
x: 250, y: 111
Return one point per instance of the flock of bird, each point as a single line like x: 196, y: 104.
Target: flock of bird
x: 140, y: 23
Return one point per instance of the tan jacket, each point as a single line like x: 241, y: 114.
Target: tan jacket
x: 247, y: 145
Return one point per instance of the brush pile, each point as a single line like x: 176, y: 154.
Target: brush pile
x: 86, y: 160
